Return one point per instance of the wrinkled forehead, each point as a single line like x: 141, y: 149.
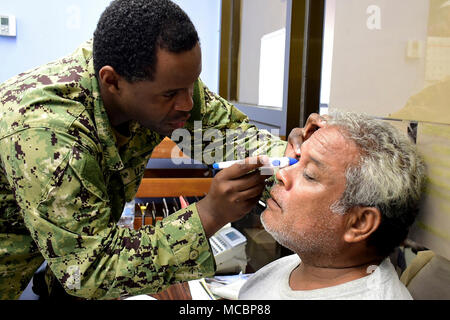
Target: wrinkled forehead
x: 330, y: 146
x: 328, y: 140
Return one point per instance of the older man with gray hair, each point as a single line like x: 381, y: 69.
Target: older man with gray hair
x: 342, y: 209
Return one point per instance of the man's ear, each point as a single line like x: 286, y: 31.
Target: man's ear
x: 362, y: 222
x: 109, y: 80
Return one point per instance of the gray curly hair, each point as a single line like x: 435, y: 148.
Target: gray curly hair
x: 390, y: 176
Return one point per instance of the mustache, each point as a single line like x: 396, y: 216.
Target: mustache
x: 274, y: 196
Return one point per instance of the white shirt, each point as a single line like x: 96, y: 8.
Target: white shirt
x: 272, y: 283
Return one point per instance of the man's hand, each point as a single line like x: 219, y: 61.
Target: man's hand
x: 234, y: 192
x: 299, y: 135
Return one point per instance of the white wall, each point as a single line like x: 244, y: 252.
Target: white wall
x: 370, y: 70
x: 50, y: 29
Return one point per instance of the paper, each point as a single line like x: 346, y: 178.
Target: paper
x: 141, y: 297
x: 198, y: 291
x: 229, y: 291
x: 227, y: 287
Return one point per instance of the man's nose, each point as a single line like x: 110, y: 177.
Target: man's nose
x: 284, y: 176
x: 184, y: 101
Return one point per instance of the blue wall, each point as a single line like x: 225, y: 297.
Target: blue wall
x: 50, y: 29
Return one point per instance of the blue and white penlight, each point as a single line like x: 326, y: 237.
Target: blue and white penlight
x: 279, y: 162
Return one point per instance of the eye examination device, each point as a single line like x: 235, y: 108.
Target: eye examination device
x: 280, y: 162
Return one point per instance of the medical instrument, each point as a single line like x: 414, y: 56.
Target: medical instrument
x: 278, y: 162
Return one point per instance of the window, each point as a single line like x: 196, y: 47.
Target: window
x: 271, y: 60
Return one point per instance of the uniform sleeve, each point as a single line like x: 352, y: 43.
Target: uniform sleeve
x: 60, y: 188
x: 227, y: 133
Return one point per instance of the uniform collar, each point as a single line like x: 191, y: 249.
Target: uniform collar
x: 104, y: 129
x: 106, y: 133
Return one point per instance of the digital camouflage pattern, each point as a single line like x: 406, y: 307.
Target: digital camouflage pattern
x: 64, y: 182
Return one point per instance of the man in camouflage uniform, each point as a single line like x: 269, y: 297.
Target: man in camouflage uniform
x: 75, y: 137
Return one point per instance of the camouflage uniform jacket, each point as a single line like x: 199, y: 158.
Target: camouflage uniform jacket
x: 64, y: 182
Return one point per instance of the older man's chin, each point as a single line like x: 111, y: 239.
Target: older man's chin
x: 265, y: 221
x: 262, y: 218
x: 279, y: 236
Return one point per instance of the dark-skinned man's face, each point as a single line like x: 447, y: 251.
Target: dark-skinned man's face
x: 164, y: 104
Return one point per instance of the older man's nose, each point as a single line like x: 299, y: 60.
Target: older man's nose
x: 284, y: 177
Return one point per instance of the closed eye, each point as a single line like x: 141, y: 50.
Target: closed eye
x: 170, y: 94
x: 307, y: 177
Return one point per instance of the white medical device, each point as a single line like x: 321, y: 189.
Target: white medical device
x: 7, y: 25
x: 228, y: 246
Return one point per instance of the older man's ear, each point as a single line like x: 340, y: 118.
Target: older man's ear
x: 362, y: 222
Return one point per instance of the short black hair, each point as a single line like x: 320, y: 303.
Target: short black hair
x: 130, y: 32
